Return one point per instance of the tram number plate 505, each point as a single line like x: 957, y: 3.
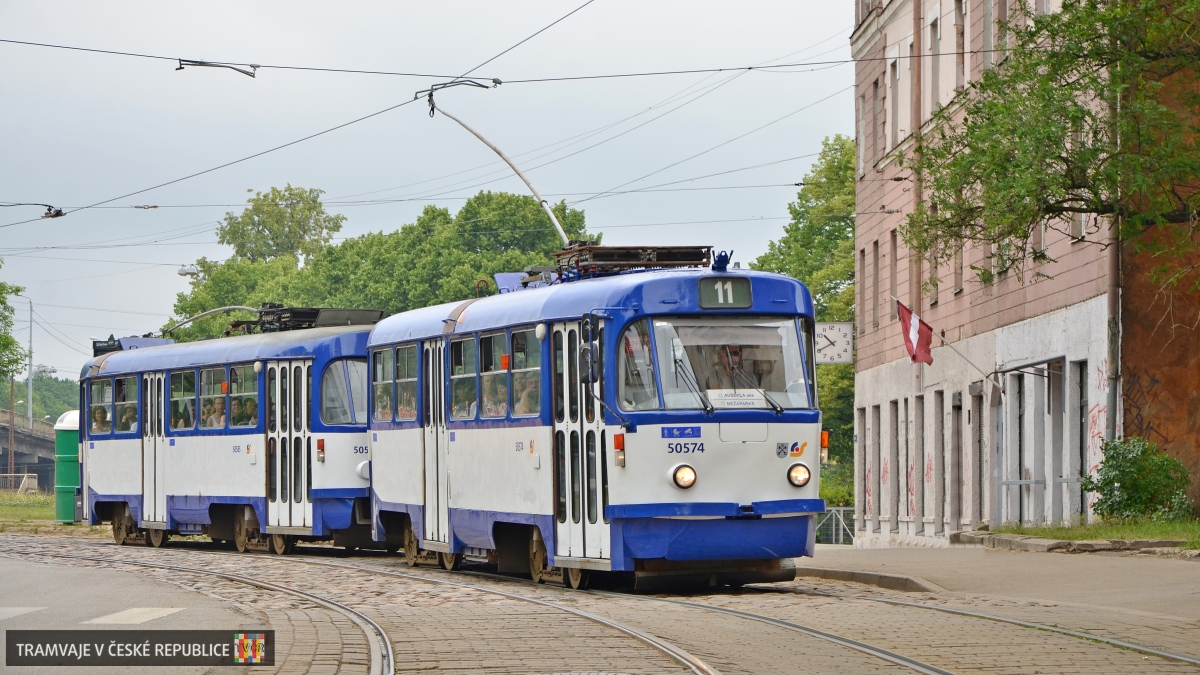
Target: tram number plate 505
x: 684, y: 448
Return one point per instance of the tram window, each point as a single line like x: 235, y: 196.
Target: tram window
x: 560, y: 407
x: 308, y: 470
x: 599, y: 357
x: 464, y: 395
x: 604, y: 474
x: 297, y: 399
x: 125, y: 414
x: 297, y: 469
x: 527, y: 373
x: 573, y: 372
x: 382, y: 372
x: 590, y: 447
x: 576, y: 488
x: 183, y: 400
x: 308, y: 395
x: 212, y: 397
x: 243, y: 396
x: 146, y: 406
x: 560, y: 476
x: 356, y: 371
x: 284, y: 481
x: 100, y: 413
x: 406, y: 382
x: 271, y: 399
x: 283, y: 399
x: 336, y: 407
x: 493, y: 356
x: 272, y: 478
x: 636, y: 386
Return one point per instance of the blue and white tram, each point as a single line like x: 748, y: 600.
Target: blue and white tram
x: 230, y: 438
x: 660, y: 422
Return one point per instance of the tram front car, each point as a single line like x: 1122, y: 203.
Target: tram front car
x: 716, y: 471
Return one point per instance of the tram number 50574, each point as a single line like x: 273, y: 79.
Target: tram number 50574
x: 684, y: 448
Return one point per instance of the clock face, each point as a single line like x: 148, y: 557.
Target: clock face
x: 834, y: 342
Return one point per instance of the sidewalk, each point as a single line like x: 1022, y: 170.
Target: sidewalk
x: 1161, y: 585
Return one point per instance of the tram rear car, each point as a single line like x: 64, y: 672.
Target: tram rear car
x: 659, y: 422
x: 258, y: 440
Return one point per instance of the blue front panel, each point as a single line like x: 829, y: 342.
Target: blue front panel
x: 711, y: 539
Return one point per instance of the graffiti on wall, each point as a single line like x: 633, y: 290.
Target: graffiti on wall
x: 1146, y: 401
x: 912, y: 491
x: 867, y: 489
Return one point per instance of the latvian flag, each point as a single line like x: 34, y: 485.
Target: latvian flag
x: 918, y: 335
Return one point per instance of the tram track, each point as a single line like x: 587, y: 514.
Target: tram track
x: 695, y: 664
x: 381, y: 659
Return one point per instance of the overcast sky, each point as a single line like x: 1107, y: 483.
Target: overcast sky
x: 80, y: 127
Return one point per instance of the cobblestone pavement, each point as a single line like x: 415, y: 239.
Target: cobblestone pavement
x: 454, y: 629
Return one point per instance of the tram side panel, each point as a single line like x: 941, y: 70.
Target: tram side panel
x: 397, y: 478
x: 114, y: 475
x: 208, y: 469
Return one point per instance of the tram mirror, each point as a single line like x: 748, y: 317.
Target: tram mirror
x: 589, y: 361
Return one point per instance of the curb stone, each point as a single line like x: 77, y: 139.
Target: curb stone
x: 1022, y: 542
x: 894, y: 582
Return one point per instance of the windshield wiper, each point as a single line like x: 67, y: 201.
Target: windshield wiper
x: 774, y: 404
x: 692, y: 384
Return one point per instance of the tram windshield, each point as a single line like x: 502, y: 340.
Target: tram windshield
x: 723, y: 363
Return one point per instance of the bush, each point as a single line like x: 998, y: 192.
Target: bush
x: 1135, y: 480
x: 837, y: 484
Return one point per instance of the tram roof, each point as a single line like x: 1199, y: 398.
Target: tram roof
x: 656, y: 291
x: 335, y: 340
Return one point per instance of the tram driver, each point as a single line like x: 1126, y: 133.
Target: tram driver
x: 728, y: 373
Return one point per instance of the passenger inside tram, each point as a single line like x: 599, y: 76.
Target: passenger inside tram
x: 127, y: 417
x: 236, y: 415
x: 495, y: 396
x: 100, y: 423
x: 216, y: 416
x: 251, y: 411
x: 181, y: 415
x: 525, y: 393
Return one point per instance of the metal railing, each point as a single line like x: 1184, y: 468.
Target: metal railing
x: 833, y: 527
x: 21, y: 483
x: 22, y: 423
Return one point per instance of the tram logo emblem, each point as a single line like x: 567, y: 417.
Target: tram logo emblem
x: 249, y: 647
x: 798, y: 449
x: 681, y: 432
x: 781, y: 450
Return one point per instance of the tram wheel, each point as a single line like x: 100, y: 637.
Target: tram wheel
x: 280, y: 544
x: 120, y: 524
x: 412, y: 548
x: 575, y: 578
x: 157, y: 538
x: 537, y: 557
x: 450, y: 561
x: 241, y: 537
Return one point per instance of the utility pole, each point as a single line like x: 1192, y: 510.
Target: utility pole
x: 12, y: 436
x: 29, y: 379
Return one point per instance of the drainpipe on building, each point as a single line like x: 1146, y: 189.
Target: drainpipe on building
x: 1114, y: 330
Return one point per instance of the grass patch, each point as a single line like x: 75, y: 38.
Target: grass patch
x: 30, y: 506
x: 1187, y: 531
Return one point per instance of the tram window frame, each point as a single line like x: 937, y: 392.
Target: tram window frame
x: 283, y: 396
x: 145, y: 405
x: 100, y: 386
x: 186, y: 395
x: 272, y: 377
x: 576, y: 483
x: 272, y: 470
x: 297, y: 469
x: 383, y: 373
x: 560, y: 475
x: 558, y: 366
x: 589, y: 447
x: 604, y: 475
x: 464, y: 367
x: 406, y: 381
x: 649, y: 383
x: 221, y: 394
x: 121, y: 403
x: 522, y: 371
x: 348, y: 386
x: 308, y: 384
x: 298, y: 399
x: 241, y: 376
x: 494, y: 367
x: 573, y: 383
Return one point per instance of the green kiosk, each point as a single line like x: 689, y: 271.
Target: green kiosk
x: 66, y: 466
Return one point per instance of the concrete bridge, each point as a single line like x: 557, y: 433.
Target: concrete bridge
x: 35, y: 448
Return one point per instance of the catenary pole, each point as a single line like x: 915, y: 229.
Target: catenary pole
x: 29, y: 379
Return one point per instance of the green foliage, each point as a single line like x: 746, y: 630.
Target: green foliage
x: 817, y: 247
x: 1091, y: 112
x: 837, y: 484
x: 437, y: 259
x: 51, y: 396
x: 287, y: 222
x: 1135, y: 480
x: 11, y: 354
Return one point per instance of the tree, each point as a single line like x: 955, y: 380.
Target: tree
x: 1091, y: 112
x: 287, y: 222
x: 11, y: 354
x: 817, y: 247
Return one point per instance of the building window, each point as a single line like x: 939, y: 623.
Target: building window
x: 895, y: 265
x: 988, y: 45
x: 960, y: 46
x: 958, y: 269
x: 895, y: 138
x: 862, y: 291
x: 875, y: 283
x: 935, y: 69
x: 862, y: 135
x: 875, y: 122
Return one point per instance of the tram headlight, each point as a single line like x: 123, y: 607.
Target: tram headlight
x: 799, y: 475
x: 684, y: 476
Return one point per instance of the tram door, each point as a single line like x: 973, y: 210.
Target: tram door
x: 289, y: 444
x: 154, y: 446
x: 578, y: 455
x: 437, y: 444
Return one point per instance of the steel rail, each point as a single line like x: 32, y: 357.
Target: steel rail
x: 992, y: 617
x: 382, y: 660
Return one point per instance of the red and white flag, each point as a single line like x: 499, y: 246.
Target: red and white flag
x: 918, y: 335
